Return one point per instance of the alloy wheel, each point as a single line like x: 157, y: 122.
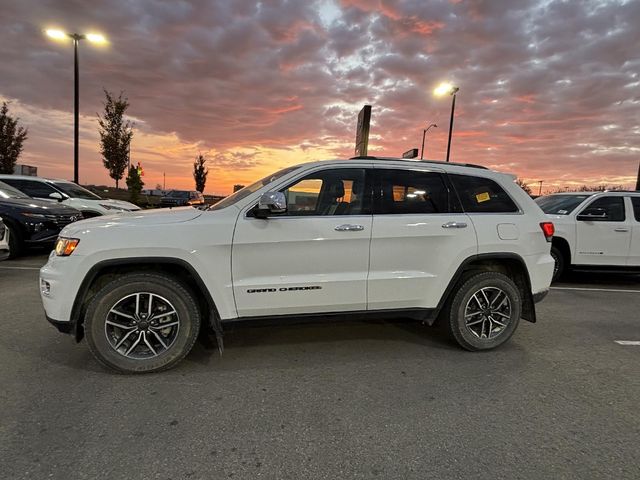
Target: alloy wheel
x: 488, y: 312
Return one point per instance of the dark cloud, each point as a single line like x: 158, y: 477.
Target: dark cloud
x: 548, y: 89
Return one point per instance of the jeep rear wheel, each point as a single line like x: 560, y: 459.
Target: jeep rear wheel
x: 559, y: 263
x: 485, y: 311
x: 142, y: 323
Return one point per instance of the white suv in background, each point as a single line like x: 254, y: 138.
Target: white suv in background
x: 594, y: 230
x: 69, y: 193
x: 365, y: 237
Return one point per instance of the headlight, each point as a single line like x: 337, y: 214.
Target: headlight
x: 66, y: 246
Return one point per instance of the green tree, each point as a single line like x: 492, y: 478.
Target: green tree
x: 200, y: 172
x: 115, y: 135
x: 134, y: 184
x: 524, y: 186
x: 12, y: 137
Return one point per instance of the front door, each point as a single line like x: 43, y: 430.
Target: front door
x: 634, y: 250
x: 314, y: 258
x: 603, y: 237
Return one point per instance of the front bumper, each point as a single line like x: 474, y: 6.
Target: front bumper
x: 539, y: 296
x: 63, y: 327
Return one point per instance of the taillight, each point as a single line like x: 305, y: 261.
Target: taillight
x: 548, y: 229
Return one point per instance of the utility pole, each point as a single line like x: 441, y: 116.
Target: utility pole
x: 164, y: 181
x: 540, y: 189
x: 638, y: 180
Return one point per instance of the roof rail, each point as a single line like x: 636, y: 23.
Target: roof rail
x: 437, y: 162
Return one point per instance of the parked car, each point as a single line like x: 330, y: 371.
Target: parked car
x: 69, y: 193
x: 4, y: 244
x: 365, y: 237
x: 30, y: 222
x: 182, y: 198
x: 594, y: 230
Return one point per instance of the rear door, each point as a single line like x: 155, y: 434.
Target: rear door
x: 605, y: 240
x: 419, y: 238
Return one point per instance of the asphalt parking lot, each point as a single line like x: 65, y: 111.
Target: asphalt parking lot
x: 336, y: 401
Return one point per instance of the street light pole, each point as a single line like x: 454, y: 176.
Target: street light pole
x: 76, y: 37
x: 453, y: 108
x: 424, y: 133
x: 76, y: 108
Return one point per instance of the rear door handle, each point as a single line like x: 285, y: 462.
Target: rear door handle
x: 348, y: 227
x: 621, y: 230
x: 454, y: 225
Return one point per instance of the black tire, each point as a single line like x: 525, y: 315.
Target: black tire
x: 560, y: 265
x: 16, y: 246
x: 463, y: 303
x: 101, y: 334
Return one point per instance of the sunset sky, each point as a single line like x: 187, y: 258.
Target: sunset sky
x: 549, y: 90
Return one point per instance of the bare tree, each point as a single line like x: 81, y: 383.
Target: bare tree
x: 524, y: 186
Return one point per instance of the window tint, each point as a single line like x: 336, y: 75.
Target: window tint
x: 482, y: 195
x: 329, y: 192
x: 31, y: 188
x: 560, y: 204
x: 613, y: 207
x: 409, y: 191
x: 635, y: 201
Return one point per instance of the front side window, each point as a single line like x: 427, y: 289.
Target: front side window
x: 76, y: 191
x: 611, y: 207
x: 482, y: 195
x: 635, y: 201
x: 408, y: 191
x: 328, y: 192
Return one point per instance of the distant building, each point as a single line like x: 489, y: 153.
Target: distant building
x: 25, y: 170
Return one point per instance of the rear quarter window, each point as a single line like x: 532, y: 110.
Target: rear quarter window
x: 482, y: 195
x: 635, y: 201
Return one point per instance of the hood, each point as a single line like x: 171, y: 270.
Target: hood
x: 39, y: 206
x: 140, y: 218
x: 120, y: 204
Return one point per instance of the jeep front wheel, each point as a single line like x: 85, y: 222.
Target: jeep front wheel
x: 141, y: 323
x: 485, y: 311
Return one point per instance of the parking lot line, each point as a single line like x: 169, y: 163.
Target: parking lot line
x: 19, y: 268
x: 596, y: 289
x: 628, y: 342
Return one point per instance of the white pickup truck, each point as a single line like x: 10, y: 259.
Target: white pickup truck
x: 594, y: 230
x: 364, y: 237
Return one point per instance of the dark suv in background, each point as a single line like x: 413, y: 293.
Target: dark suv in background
x: 31, y: 222
x: 182, y: 198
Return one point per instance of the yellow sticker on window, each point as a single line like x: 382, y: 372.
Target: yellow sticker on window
x: 483, y: 197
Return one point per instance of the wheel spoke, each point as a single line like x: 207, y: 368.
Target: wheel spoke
x: 153, y: 350
x: 134, y: 344
x: 486, y: 299
x: 495, y: 312
x: 495, y: 299
x: 122, y: 340
x: 162, y: 326
x: 149, y: 307
x: 137, y: 304
x: 156, y: 317
x: 120, y: 325
x: 500, y: 324
x: 159, y: 337
x: 125, y: 315
x: 475, y: 322
x: 475, y: 297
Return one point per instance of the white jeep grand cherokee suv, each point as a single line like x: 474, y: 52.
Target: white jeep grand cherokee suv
x: 594, y: 230
x: 365, y: 237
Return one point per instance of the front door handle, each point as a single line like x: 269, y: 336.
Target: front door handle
x: 454, y: 225
x: 621, y: 230
x: 348, y: 227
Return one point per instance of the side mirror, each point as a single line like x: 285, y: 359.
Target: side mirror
x: 593, y: 214
x: 56, y: 196
x: 271, y: 203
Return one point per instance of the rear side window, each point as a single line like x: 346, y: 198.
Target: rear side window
x: 611, y: 207
x: 482, y: 195
x: 32, y: 188
x: 635, y: 201
x: 407, y: 191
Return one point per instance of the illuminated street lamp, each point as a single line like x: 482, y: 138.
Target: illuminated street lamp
x: 75, y: 37
x: 448, y: 89
x: 424, y: 133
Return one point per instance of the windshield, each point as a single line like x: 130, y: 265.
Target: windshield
x: 75, y: 191
x: 7, y: 191
x: 178, y: 194
x: 254, y: 187
x: 560, y: 204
